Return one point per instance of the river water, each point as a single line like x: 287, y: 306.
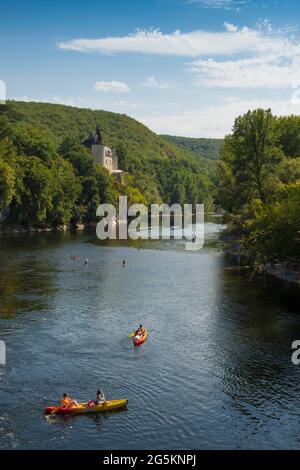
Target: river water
x: 215, y: 373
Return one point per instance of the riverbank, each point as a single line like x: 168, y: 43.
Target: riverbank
x: 287, y: 271
x: 11, y: 229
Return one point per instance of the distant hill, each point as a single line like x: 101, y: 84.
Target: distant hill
x: 207, y: 148
x: 60, y: 122
x: 49, y: 177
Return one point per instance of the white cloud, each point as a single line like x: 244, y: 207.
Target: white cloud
x: 274, y: 64
x: 224, y: 4
x: 231, y: 28
x: 152, y: 82
x: 117, y: 87
x: 190, y: 44
x: 260, y: 57
x: 262, y: 71
x: 214, y: 121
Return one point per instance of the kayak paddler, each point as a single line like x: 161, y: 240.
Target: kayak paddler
x: 67, y: 401
x: 99, y: 400
x: 100, y: 397
x: 141, y: 330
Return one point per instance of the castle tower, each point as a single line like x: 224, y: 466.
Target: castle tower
x: 101, y: 153
x: 115, y: 162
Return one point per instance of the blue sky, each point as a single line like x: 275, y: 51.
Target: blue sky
x: 183, y: 67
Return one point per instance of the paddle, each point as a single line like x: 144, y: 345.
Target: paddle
x: 131, y: 335
x: 55, y: 410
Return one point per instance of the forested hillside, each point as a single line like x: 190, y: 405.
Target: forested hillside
x: 200, y: 147
x: 48, y: 177
x: 259, y: 184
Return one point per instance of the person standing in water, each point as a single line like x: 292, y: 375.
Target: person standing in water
x: 124, y: 263
x: 86, y: 261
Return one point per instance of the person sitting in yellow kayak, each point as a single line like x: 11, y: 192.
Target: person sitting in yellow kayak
x: 99, y: 400
x: 100, y: 397
x: 141, y: 330
x: 67, y: 401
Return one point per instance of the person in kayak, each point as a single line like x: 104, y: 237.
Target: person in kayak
x: 67, y: 401
x: 141, y: 330
x: 100, y: 397
x: 99, y: 400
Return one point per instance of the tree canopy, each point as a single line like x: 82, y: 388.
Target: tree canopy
x: 48, y: 177
x: 259, y: 182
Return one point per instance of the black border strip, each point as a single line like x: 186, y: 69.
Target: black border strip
x: 193, y: 459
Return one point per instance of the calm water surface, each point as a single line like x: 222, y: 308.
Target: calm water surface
x: 216, y: 371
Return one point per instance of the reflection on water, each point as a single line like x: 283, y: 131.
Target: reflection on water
x: 24, y: 285
x: 215, y: 373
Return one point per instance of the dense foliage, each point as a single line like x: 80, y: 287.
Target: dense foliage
x: 259, y: 183
x: 48, y: 177
x: 201, y: 147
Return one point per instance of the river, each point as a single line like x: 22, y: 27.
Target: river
x: 215, y: 373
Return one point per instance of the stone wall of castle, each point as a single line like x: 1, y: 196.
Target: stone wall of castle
x: 105, y: 157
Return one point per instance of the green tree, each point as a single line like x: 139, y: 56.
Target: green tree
x: 7, y: 184
x: 66, y: 191
x: 32, y: 142
x: 273, y: 231
x: 34, y: 192
x: 226, y: 192
x: 81, y: 160
x: 122, y: 155
x: 251, y: 151
x: 289, y: 170
x: 7, y: 173
x: 289, y: 135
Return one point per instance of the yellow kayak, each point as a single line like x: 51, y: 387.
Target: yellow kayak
x: 83, y: 408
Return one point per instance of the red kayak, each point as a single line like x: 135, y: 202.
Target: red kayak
x: 140, y: 339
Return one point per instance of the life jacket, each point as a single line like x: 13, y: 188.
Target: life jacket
x: 65, y: 402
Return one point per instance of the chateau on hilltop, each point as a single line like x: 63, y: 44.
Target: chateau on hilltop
x: 103, y: 155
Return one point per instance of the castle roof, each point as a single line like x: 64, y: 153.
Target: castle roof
x: 93, y: 139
